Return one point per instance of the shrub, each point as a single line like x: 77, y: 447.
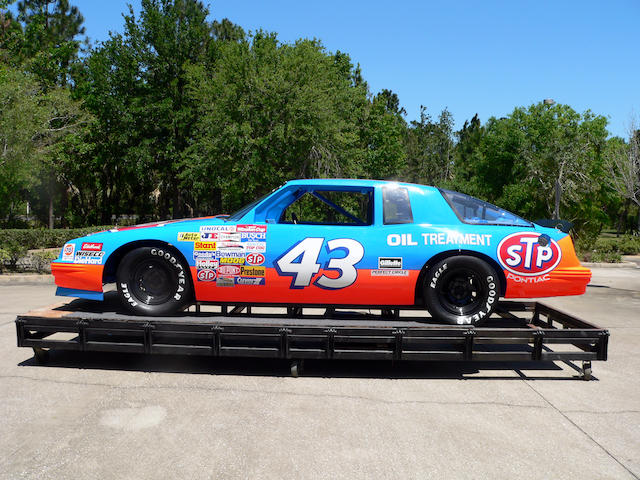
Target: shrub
x: 15, y: 251
x: 32, y: 239
x: 609, y: 249
x: 4, y: 258
x: 605, y: 257
x: 41, y: 260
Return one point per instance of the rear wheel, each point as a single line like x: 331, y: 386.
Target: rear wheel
x: 461, y: 290
x: 153, y: 281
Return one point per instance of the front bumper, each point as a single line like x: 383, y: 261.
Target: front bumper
x: 77, y: 277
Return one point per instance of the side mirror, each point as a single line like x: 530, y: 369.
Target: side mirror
x: 544, y: 240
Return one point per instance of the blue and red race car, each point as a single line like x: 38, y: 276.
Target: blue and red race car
x: 331, y: 243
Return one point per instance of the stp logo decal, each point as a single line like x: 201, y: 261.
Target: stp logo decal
x: 68, y: 251
x: 206, y: 275
x: 521, y: 254
x: 255, y: 259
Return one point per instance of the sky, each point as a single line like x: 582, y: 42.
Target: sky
x: 467, y: 56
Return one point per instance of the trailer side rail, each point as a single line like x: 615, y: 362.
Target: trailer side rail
x: 544, y: 334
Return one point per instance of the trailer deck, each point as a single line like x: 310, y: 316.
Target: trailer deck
x: 519, y: 331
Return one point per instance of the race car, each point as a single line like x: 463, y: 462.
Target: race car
x: 331, y: 243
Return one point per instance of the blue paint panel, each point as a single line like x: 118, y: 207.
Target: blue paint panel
x: 72, y: 292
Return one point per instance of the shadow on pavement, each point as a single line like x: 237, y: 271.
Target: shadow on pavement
x: 312, y: 368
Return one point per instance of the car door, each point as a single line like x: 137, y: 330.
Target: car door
x: 319, y: 247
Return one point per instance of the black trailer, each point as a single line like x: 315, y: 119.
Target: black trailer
x: 520, y: 331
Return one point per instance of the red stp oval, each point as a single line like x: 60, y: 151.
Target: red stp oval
x: 206, y: 275
x: 521, y: 254
x: 255, y: 259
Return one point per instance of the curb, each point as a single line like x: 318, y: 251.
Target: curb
x: 610, y: 265
x: 20, y: 278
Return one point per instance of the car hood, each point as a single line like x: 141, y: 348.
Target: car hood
x: 213, y: 219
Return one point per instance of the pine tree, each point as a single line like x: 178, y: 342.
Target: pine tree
x: 50, y: 45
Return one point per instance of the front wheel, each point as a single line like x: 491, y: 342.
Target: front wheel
x: 153, y: 281
x: 461, y: 290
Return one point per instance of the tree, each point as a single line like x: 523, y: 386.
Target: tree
x: 50, y: 45
x: 466, y: 151
x: 270, y: 112
x: 227, y: 31
x: 106, y: 168
x: 169, y: 36
x: 32, y: 123
x: 11, y: 37
x: 623, y: 162
x: 518, y: 159
x: 430, y: 148
x: 383, y: 136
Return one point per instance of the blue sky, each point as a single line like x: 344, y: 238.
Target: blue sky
x: 468, y: 56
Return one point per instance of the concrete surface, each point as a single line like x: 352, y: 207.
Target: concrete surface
x: 25, y: 278
x: 107, y: 416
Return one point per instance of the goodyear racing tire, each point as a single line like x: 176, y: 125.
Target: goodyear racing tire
x: 153, y: 281
x: 461, y: 290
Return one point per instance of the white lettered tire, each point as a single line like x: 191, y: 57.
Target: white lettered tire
x: 154, y: 281
x: 461, y: 290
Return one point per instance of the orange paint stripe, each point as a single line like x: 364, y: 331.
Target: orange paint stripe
x: 78, y: 276
x: 367, y: 290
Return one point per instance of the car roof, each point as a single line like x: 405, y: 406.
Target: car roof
x: 352, y: 182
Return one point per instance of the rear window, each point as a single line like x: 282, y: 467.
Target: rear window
x: 396, y: 205
x: 478, y: 212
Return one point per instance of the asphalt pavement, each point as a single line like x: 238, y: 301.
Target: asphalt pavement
x: 108, y: 416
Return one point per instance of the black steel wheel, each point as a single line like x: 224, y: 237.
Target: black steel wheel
x: 153, y: 281
x: 461, y: 290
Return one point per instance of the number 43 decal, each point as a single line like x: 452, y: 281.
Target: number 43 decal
x: 301, y: 262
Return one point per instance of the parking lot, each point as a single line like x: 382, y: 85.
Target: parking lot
x: 129, y: 416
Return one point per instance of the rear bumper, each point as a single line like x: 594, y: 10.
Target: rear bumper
x: 559, y: 282
x: 75, y: 276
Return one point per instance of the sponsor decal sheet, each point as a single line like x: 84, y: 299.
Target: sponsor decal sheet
x: 229, y: 255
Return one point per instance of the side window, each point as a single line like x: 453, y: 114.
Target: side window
x: 396, y: 205
x: 478, y: 212
x: 330, y: 207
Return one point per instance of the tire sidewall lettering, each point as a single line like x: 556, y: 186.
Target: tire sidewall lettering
x: 180, y: 287
x: 489, y: 298
x: 434, y: 279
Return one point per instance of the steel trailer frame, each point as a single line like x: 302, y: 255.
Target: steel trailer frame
x: 238, y: 332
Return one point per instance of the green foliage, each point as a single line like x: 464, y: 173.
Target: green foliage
x: 40, y: 261
x: 11, y: 37
x: 49, y: 46
x: 603, y: 257
x: 516, y: 161
x: 13, y: 251
x: 383, y: 136
x: 609, y: 249
x: 625, y: 244
x: 178, y: 116
x: 21, y: 240
x: 33, y: 125
x: 22, y: 119
x: 269, y: 112
x: 430, y: 149
x: 4, y: 259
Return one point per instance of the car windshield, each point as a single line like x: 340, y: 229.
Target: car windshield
x: 238, y: 214
x: 478, y: 212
